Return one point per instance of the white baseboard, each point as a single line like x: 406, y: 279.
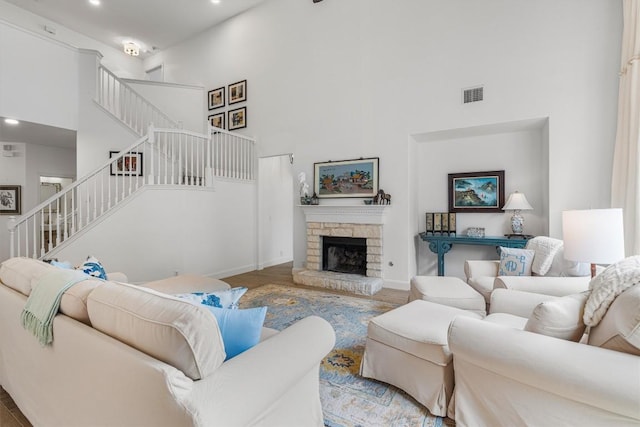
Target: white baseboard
x: 273, y: 262
x: 233, y: 271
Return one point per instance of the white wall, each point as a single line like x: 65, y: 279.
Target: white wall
x: 182, y: 103
x: 114, y: 59
x: 519, y: 152
x: 24, y: 169
x: 339, y: 80
x: 275, y: 212
x: 176, y: 230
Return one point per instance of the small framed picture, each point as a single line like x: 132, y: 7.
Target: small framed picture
x: 10, y: 202
x: 217, y: 120
x: 237, y: 118
x: 238, y: 92
x: 128, y: 165
x: 216, y: 98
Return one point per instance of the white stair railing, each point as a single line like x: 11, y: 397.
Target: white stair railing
x: 162, y: 157
x: 127, y: 105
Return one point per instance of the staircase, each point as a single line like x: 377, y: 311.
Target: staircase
x: 163, y: 155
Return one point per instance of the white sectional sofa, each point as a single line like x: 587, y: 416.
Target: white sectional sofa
x: 124, y: 355
x: 507, y: 376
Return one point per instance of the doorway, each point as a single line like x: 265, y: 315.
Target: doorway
x: 275, y: 210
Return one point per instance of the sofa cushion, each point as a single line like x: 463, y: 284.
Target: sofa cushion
x: 21, y: 274
x: 559, y: 317
x: 515, y: 262
x: 227, y: 298
x: 606, y: 286
x: 174, y: 331
x: 185, y: 283
x: 619, y: 329
x: 545, y: 249
x: 240, y: 329
x: 74, y: 300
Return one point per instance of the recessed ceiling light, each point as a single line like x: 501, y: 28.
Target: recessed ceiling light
x: 95, y: 2
x: 215, y: 1
x: 11, y: 121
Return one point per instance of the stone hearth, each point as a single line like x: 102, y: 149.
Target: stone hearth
x: 343, y: 221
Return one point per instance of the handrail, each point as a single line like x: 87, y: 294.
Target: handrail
x: 164, y: 156
x: 126, y: 104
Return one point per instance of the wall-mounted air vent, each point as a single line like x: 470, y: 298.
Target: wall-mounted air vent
x: 472, y: 94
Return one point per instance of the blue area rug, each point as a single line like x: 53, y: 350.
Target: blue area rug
x: 348, y: 400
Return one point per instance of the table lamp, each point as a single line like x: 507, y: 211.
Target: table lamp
x: 594, y: 236
x: 517, y: 202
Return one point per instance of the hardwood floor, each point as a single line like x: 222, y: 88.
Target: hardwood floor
x: 10, y: 415
x: 281, y: 275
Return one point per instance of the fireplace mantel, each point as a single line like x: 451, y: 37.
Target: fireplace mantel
x: 354, y: 214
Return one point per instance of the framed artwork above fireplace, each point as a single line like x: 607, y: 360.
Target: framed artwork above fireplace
x: 346, y: 178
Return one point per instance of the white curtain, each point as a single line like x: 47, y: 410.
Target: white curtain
x: 625, y: 183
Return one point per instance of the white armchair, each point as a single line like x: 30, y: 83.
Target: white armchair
x: 507, y: 376
x: 562, y: 278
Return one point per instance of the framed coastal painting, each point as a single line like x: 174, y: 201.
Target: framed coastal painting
x: 216, y: 98
x: 476, y: 191
x: 237, y: 92
x: 346, y: 178
x: 217, y: 120
x: 10, y: 202
x: 129, y: 165
x: 237, y: 118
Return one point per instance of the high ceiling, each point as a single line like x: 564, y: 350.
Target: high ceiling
x: 153, y: 24
x: 34, y: 133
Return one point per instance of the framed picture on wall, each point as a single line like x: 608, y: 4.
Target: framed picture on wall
x: 238, y: 92
x: 10, y: 201
x: 128, y: 165
x: 237, y: 118
x: 476, y: 191
x: 346, y: 178
x: 217, y: 120
x: 216, y: 98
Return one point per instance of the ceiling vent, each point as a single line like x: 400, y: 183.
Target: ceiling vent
x: 472, y: 94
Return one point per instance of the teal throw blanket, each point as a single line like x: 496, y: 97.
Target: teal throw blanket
x: 44, y: 301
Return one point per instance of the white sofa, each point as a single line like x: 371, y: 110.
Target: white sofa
x: 151, y: 360
x: 506, y: 376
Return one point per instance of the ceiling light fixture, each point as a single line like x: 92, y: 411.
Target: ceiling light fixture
x: 11, y: 121
x: 215, y: 1
x: 130, y: 48
x: 95, y: 2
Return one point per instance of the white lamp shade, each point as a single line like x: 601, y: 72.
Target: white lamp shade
x: 595, y: 236
x: 517, y: 202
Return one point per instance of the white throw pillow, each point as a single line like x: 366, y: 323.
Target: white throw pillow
x: 607, y: 285
x: 545, y: 249
x: 515, y: 262
x: 560, y: 317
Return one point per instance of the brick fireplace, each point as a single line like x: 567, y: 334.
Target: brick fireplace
x: 360, y: 222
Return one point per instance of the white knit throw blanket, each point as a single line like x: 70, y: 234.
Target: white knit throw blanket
x: 606, y: 286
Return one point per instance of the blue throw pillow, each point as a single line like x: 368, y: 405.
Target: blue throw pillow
x: 93, y: 268
x: 240, y: 329
x: 223, y: 299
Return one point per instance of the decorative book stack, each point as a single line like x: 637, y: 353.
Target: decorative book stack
x: 441, y: 223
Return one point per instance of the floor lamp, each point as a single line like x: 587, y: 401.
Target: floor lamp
x: 594, y: 236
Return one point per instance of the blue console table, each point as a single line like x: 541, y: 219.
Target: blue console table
x: 440, y: 245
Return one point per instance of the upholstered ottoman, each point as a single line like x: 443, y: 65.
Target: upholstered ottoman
x: 449, y: 291
x: 407, y: 347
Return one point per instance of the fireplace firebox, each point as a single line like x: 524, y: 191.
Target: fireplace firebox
x: 344, y: 254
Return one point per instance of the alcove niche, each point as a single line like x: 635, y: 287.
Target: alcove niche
x: 520, y: 148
